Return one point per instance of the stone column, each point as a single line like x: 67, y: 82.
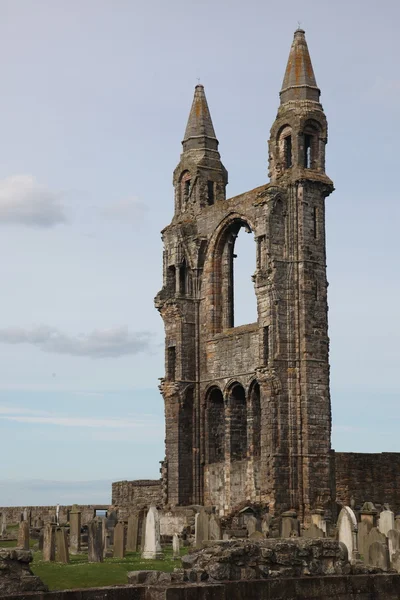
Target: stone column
x: 23, y: 535
x: 49, y: 543
x: 75, y: 520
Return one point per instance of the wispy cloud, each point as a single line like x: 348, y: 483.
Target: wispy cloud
x: 24, y: 201
x: 129, y: 211
x: 101, y: 343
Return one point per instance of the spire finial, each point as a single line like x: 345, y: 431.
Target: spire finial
x: 199, y: 130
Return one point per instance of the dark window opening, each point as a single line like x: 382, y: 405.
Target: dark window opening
x: 171, y: 279
x: 171, y: 363
x: 182, y: 278
x: 238, y: 423
x: 288, y: 151
x: 266, y: 345
x: 307, y: 151
x: 186, y: 190
x: 185, y: 454
x: 315, y: 222
x: 210, y: 192
x: 216, y: 426
x: 254, y: 424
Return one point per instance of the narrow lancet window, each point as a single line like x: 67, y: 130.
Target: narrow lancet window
x: 265, y: 345
x: 307, y: 151
x: 171, y: 360
x: 288, y: 151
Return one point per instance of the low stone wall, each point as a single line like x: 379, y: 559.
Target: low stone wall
x: 368, y: 477
x: 346, y: 587
x: 47, y: 513
x: 134, y: 496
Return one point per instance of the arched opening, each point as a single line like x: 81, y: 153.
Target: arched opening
x: 285, y: 144
x: 186, y: 449
x: 215, y: 426
x: 237, y: 423
x: 184, y: 188
x: 183, y: 278
x: 309, y: 155
x: 254, y: 420
x: 234, y: 262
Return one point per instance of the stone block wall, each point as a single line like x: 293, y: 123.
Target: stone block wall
x: 133, y: 496
x: 47, y: 513
x: 368, y: 477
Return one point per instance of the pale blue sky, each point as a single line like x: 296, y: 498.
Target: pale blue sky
x: 94, y: 101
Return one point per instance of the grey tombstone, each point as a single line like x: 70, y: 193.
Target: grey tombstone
x: 374, y: 536
x: 107, y: 552
x: 23, y: 535
x: 362, y: 537
x: 41, y: 540
x: 49, y: 543
x: 119, y: 540
x: 62, y: 555
x: 386, y: 521
x: 393, y: 542
x: 313, y: 532
x: 132, y: 534
x: 378, y: 556
x: 3, y: 530
x: 75, y: 522
x: 397, y: 522
x: 395, y: 561
x: 176, y: 552
x: 214, y: 528
x: 152, y: 545
x: 317, y: 518
x: 95, y: 542
x: 347, y: 531
x: 200, y: 528
x: 289, y: 523
x: 251, y: 525
x: 25, y: 514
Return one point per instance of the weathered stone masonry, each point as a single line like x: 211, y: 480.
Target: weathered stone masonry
x: 248, y: 408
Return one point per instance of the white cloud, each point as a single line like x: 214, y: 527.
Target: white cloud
x: 103, y: 343
x: 129, y: 211
x: 24, y: 201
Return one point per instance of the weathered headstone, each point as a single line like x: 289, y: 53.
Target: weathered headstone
x: 378, y: 555
x: 395, y: 561
x: 397, y: 522
x: 23, y: 535
x: 289, y: 523
x: 49, y: 543
x: 25, y: 514
x: 132, y: 534
x: 251, y: 525
x: 347, y: 531
x: 75, y: 521
x: 107, y: 552
x: 3, y: 530
x: 62, y: 555
x: 41, y: 540
x: 152, y: 546
x: 362, y: 537
x: 369, y: 513
x: 119, y: 540
x: 393, y: 542
x: 214, y: 528
x: 386, y: 521
x: 313, y: 532
x: 317, y: 518
x: 200, y: 528
x: 95, y: 542
x: 176, y: 554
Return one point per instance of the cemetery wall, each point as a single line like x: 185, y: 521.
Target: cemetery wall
x: 47, y: 513
x: 368, y: 477
x: 137, y: 494
x: 345, y: 587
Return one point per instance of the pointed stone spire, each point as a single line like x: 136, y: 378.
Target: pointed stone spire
x: 199, y: 129
x: 299, y: 81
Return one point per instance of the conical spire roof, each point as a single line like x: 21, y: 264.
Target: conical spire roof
x: 299, y: 81
x: 199, y: 129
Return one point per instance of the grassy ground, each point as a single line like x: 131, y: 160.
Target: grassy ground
x: 113, y: 571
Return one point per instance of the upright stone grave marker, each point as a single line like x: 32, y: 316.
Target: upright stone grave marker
x: 378, y: 556
x: 75, y: 521
x: 62, y: 555
x: 394, y: 542
x: 214, y: 528
x: 23, y: 535
x: 132, y: 534
x: 3, y: 530
x: 289, y: 523
x: 152, y: 546
x: 397, y: 522
x: 200, y: 528
x: 347, y: 529
x: 251, y: 525
x: 176, y: 554
x: 49, y: 543
x: 119, y: 540
x: 95, y: 542
x: 362, y: 537
x: 386, y: 521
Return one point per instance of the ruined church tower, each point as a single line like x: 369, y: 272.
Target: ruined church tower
x: 247, y: 408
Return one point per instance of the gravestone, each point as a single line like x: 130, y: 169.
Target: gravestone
x: 176, y: 554
x: 378, y: 556
x: 3, y: 530
x: 214, y: 528
x: 119, y: 540
x: 369, y: 513
x: 62, y: 555
x: 347, y: 531
x: 317, y: 518
x: 362, y: 537
x: 75, y: 522
x: 95, y: 542
x: 23, y: 535
x: 107, y: 552
x: 251, y: 525
x: 393, y: 542
x: 132, y: 535
x: 397, y: 522
x: 256, y: 535
x: 289, y: 523
x: 49, y: 543
x: 25, y: 514
x: 200, y: 528
x: 386, y: 521
x: 395, y: 561
x: 112, y: 520
x: 152, y: 546
x: 41, y: 540
x: 313, y: 532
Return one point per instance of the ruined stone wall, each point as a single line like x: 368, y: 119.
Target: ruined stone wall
x: 133, y: 496
x: 14, y: 514
x: 368, y: 477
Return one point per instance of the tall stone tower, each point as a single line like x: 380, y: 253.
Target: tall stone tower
x: 247, y: 408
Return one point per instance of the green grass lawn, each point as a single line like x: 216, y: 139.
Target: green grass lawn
x: 113, y: 571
